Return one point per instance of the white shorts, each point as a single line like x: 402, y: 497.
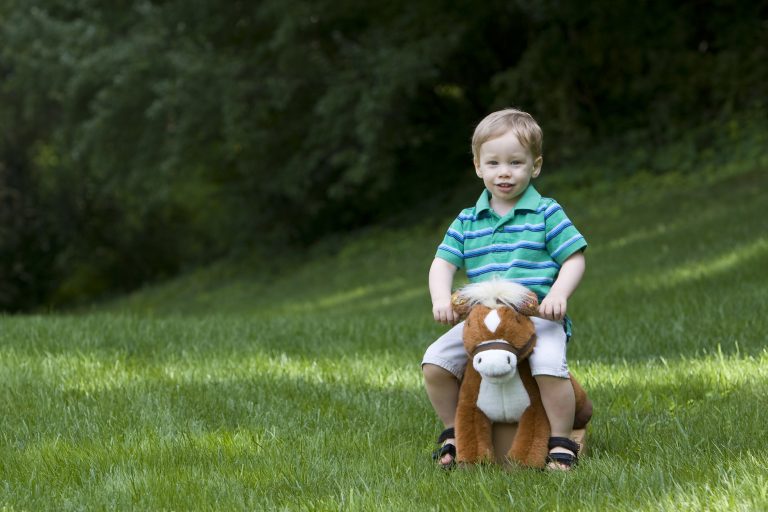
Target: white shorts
x: 548, y: 357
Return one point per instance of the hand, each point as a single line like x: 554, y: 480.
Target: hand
x: 553, y: 307
x: 443, y: 312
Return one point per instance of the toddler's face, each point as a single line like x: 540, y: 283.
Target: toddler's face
x: 506, y: 167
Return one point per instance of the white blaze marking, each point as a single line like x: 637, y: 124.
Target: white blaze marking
x: 492, y: 320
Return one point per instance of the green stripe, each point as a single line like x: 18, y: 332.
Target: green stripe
x: 533, y: 256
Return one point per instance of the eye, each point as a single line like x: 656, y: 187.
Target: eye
x: 516, y: 162
x: 493, y: 162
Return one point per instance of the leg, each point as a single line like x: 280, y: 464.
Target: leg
x: 443, y: 392
x: 560, y: 404
x: 443, y: 365
x: 529, y: 447
x: 474, y: 434
x: 550, y: 369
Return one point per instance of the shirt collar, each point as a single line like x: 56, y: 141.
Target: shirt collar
x: 528, y: 201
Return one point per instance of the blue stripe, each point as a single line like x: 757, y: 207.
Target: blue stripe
x: 558, y: 229
x: 567, y: 243
x: 463, y: 216
x: 455, y: 234
x: 484, y: 270
x: 479, y: 233
x: 551, y: 209
x: 504, y: 248
x: 448, y: 248
x: 534, y: 280
x: 524, y: 227
x: 506, y: 229
x: 494, y: 267
x: 526, y: 281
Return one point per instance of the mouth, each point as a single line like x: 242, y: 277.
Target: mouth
x: 505, y: 186
x: 500, y: 377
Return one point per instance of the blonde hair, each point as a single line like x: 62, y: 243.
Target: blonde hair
x: 496, y: 124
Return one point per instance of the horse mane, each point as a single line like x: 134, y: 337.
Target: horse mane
x: 496, y: 293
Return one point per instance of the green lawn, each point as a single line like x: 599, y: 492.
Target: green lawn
x: 295, y: 384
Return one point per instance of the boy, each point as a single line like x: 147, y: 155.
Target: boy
x: 511, y: 233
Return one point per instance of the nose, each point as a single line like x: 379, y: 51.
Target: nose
x: 495, y: 363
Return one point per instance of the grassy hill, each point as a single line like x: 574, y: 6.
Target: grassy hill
x: 669, y: 245
x: 292, y: 383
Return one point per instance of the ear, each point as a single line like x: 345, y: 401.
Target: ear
x: 537, y: 167
x: 530, y: 306
x: 461, y: 305
x: 476, y: 162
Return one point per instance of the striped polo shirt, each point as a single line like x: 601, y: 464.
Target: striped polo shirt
x: 527, y: 246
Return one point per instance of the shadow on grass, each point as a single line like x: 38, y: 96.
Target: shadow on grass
x: 137, y: 339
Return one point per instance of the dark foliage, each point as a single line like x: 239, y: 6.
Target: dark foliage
x: 143, y: 137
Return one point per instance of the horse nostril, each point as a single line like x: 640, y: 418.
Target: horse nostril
x: 509, y: 360
x: 479, y: 360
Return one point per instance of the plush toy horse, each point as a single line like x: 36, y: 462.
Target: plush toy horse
x: 498, y: 387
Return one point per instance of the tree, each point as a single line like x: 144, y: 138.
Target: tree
x: 149, y: 136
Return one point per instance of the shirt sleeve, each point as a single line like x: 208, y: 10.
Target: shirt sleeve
x: 452, y: 247
x: 562, y: 237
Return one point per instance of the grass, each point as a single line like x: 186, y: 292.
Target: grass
x: 295, y: 385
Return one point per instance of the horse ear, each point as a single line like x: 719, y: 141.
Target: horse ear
x: 461, y: 304
x: 529, y: 306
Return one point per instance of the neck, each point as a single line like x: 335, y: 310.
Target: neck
x: 502, y: 208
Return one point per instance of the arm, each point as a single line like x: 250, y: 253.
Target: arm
x: 440, y: 282
x: 554, y: 305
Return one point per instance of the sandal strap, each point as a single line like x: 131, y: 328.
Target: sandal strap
x: 448, y: 433
x: 566, y: 459
x: 445, y: 449
x: 564, y: 442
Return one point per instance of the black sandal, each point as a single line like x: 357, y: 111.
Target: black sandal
x: 448, y: 448
x: 566, y: 459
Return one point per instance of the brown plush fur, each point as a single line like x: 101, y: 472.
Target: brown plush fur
x: 474, y: 434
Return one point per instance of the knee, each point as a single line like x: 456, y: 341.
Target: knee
x: 434, y: 374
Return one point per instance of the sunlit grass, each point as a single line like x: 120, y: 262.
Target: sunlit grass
x: 196, y: 419
x: 301, y: 390
x: 719, y: 264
